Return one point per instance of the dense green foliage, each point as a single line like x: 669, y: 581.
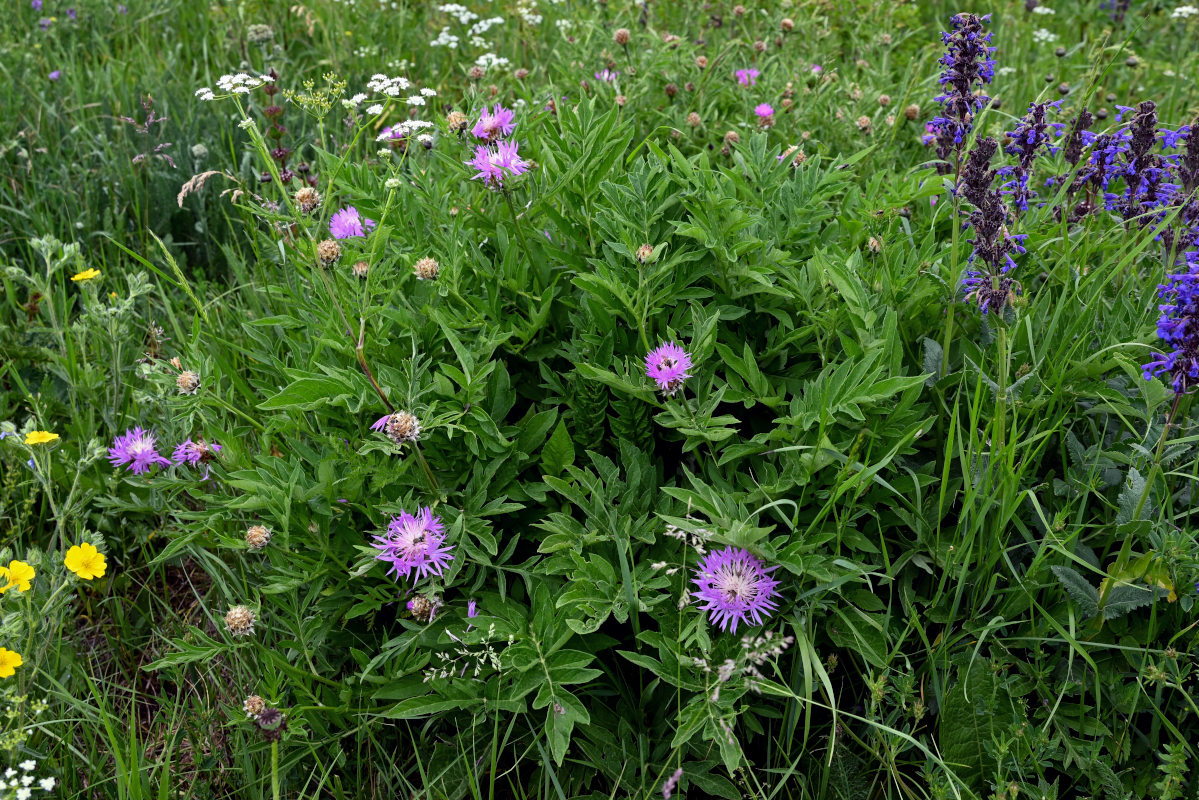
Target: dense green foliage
x: 986, y: 562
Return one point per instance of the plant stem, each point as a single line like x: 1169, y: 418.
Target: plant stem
x: 275, y: 770
x: 520, y: 234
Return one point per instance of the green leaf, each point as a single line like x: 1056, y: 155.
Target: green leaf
x: 974, y: 714
x: 559, y: 451
x: 305, y: 394
x: 1082, y: 592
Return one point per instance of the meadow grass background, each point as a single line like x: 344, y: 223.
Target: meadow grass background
x: 943, y: 517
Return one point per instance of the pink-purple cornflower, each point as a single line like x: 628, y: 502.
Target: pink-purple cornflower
x: 747, y: 77
x: 348, y: 223
x: 195, y: 453
x: 607, y: 75
x: 136, y: 449
x: 735, y: 588
x: 764, y: 110
x: 414, y: 543
x: 667, y: 365
x: 36, y: 5
x: 493, y: 124
x: 55, y: 75
x: 497, y: 163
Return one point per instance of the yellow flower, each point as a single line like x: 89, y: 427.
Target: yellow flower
x: 40, y: 437
x: 17, y: 575
x: 9, y: 661
x: 85, y: 561
x: 86, y: 275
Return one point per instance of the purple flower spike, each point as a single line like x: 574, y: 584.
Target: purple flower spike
x: 494, y: 124
x: 496, y: 164
x: 348, y: 223
x: 472, y: 609
x: 734, y: 587
x: 667, y: 366
x: 136, y: 449
x: 414, y: 543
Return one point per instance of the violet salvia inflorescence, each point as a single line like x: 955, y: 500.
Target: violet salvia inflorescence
x: 968, y: 65
x: 667, y: 365
x: 987, y: 282
x: 414, y: 543
x: 136, y: 450
x: 1030, y: 138
x: 1178, y: 327
x: 735, y: 588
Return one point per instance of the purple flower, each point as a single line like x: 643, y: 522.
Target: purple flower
x: 495, y: 164
x: 734, y: 587
x: 669, y: 786
x: 667, y: 365
x: 71, y: 13
x: 472, y: 609
x: 494, y: 124
x: 55, y: 75
x: 36, y: 5
x: 1178, y: 327
x: 606, y: 75
x: 194, y: 453
x: 45, y: 23
x: 348, y: 223
x: 137, y: 450
x: 968, y: 65
x: 414, y: 544
x: 764, y: 110
x: 122, y: 9
x: 817, y: 69
x: 747, y: 77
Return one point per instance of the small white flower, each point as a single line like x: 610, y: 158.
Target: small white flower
x: 374, y: 110
x: 416, y: 100
x: 47, y: 784
x: 392, y: 183
x: 427, y: 92
x: 1005, y: 71
x: 1044, y: 36
x: 1182, y: 12
x: 246, y: 124
x: 24, y: 793
x: 204, y: 93
x: 8, y: 773
x: 1043, y: 10
x: 27, y: 765
x: 26, y: 780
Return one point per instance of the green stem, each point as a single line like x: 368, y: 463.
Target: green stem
x: 520, y: 234
x: 275, y: 770
x: 947, y: 338
x: 1001, y: 400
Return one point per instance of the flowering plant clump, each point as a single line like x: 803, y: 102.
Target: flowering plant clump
x: 599, y: 400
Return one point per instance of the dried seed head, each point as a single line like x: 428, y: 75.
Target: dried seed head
x: 240, y: 621
x: 621, y: 37
x: 689, y: 86
x: 402, y: 427
x: 796, y: 155
x: 874, y: 245
x: 307, y: 199
x: 759, y: 46
x: 701, y: 62
x: 693, y: 120
x: 670, y: 89
x: 890, y: 120
x: 738, y: 10
x: 884, y: 100
x: 176, y: 363
x: 885, y: 38
x: 779, y: 41
x: 253, y: 706
x: 257, y: 537
x: 424, y: 607
x: 328, y: 251
x: 188, y: 382
x: 620, y: 100
x: 360, y: 269
x: 645, y: 252
x: 912, y: 111
x: 521, y: 74
x: 475, y: 73
x: 787, y: 24
x: 732, y: 137
x: 426, y: 269
x: 786, y: 102
x: 864, y: 124
x: 456, y: 121
x: 272, y: 723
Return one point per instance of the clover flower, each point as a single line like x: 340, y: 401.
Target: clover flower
x: 414, y: 543
x: 137, y: 450
x: 498, y: 163
x: 348, y: 223
x: 667, y: 366
x: 735, y: 587
x: 494, y: 124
